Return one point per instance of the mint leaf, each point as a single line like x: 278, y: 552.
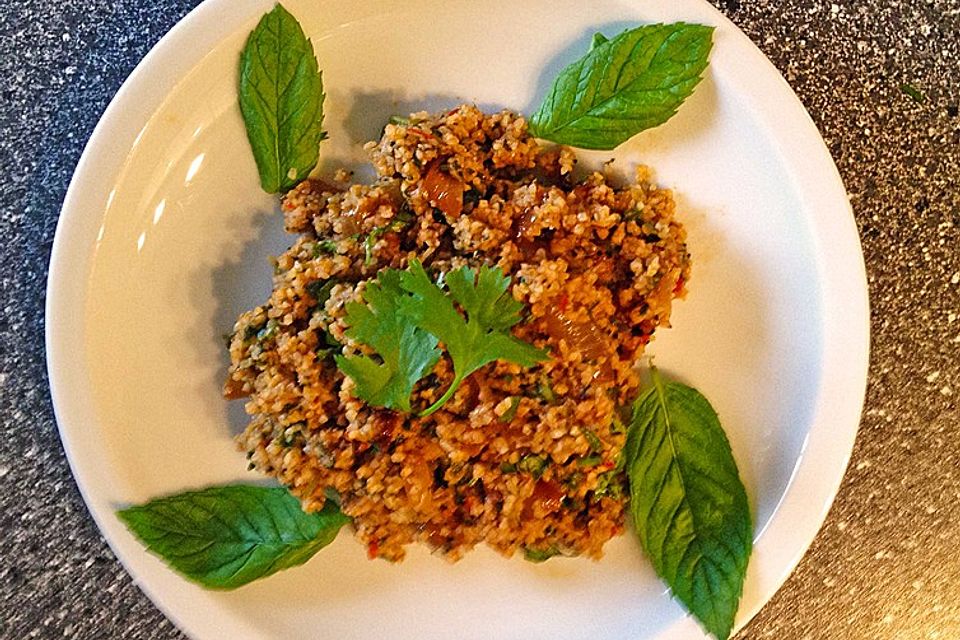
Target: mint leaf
x: 225, y: 537
x: 407, y: 353
x: 281, y: 99
x: 481, y: 338
x: 597, y: 40
x: 687, y: 502
x: 634, y: 81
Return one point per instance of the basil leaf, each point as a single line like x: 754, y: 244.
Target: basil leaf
x: 687, y: 502
x: 634, y: 81
x: 224, y: 537
x: 281, y: 99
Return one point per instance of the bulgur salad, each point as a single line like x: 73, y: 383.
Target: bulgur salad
x: 451, y: 354
x: 520, y: 457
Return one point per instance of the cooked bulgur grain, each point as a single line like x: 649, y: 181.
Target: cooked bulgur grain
x: 519, y: 458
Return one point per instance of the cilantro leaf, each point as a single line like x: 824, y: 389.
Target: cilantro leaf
x: 407, y: 352
x: 485, y: 334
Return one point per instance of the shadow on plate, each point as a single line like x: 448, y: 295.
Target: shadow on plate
x: 236, y: 285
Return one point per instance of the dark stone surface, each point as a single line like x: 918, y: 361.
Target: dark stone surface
x: 885, y: 564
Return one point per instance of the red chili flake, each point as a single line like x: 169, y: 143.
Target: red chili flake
x: 607, y: 464
x: 564, y: 302
x: 453, y: 111
x: 679, y: 287
x: 373, y: 549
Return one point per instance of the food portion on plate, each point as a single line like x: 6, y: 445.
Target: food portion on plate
x: 550, y: 288
x: 450, y: 354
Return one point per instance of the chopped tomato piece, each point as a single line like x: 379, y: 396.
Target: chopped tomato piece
x: 548, y: 495
x: 583, y: 337
x: 444, y: 191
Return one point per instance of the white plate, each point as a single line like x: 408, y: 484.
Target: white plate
x: 164, y: 239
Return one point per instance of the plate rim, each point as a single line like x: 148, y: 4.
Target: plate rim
x: 205, y: 24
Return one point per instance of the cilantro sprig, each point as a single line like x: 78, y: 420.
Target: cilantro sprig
x: 485, y: 334
x: 407, y: 352
x: 403, y: 317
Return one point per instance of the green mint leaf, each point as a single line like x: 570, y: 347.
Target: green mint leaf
x: 281, y: 99
x: 634, y: 81
x: 481, y: 338
x: 407, y: 353
x: 687, y: 502
x: 597, y: 40
x: 225, y: 537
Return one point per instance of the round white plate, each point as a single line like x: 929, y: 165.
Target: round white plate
x: 165, y: 236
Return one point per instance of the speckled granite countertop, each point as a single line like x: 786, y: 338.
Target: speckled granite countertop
x: 885, y: 564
